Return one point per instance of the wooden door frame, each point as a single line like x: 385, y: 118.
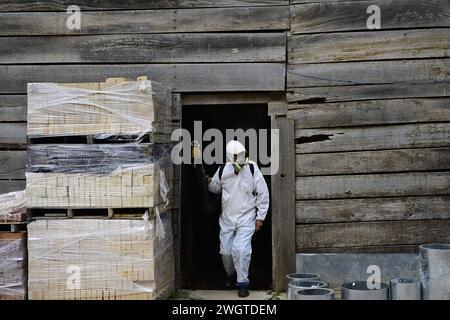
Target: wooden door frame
x: 283, y: 197
x: 282, y: 183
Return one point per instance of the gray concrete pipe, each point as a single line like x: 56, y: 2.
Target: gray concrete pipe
x: 358, y: 290
x: 314, y: 294
x: 304, y: 284
x: 405, y: 289
x: 300, y: 276
x: 434, y: 260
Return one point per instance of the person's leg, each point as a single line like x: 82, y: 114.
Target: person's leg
x: 242, y: 252
x: 228, y: 264
x: 226, y: 237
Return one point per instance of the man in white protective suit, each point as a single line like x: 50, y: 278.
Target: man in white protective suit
x: 245, y: 201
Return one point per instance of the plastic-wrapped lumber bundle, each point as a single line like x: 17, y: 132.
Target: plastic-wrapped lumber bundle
x: 114, y: 107
x: 129, y: 175
x: 12, y: 207
x: 100, y: 259
x: 13, y: 276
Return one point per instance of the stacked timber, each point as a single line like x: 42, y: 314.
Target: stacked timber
x: 96, y: 152
x: 98, y: 176
x: 115, y: 107
x: 13, y: 269
x: 100, y: 259
x: 100, y: 159
x: 13, y: 218
x: 12, y: 207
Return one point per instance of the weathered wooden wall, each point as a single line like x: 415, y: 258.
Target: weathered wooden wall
x: 193, y: 46
x: 372, y: 120
x: 371, y: 108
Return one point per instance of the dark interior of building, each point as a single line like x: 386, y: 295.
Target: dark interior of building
x: 201, y: 264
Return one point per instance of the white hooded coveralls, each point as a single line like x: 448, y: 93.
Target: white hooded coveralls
x: 245, y: 198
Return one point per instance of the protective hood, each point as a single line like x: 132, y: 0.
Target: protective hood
x: 235, y: 148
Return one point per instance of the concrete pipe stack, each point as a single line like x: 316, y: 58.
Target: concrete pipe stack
x: 359, y: 290
x: 435, y: 271
x: 304, y: 284
x: 314, y: 294
x: 405, y: 289
x: 295, y: 277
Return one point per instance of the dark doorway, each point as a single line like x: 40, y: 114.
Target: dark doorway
x: 201, y: 264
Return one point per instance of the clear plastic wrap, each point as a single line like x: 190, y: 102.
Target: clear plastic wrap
x: 12, y: 207
x: 104, y: 259
x: 96, y: 159
x: 115, y: 107
x: 98, y: 176
x: 13, y: 266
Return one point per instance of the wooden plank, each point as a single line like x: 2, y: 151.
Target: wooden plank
x: 351, y: 15
x: 373, y: 185
x: 277, y: 108
x: 366, y: 46
x: 145, y: 48
x: 360, y: 73
x: 339, y: 235
x: 375, y: 209
x: 367, y: 92
x: 176, y: 109
x: 61, y: 5
x: 370, y: 113
x: 147, y: 21
x: 12, y: 101
x: 13, y: 108
x: 226, y: 98
x: 12, y: 164
x: 176, y: 199
x: 388, y: 249
x: 11, y: 185
x: 373, y: 138
x: 283, y: 205
x: 13, y: 135
x: 294, y: 2
x: 180, y: 77
x: 399, y: 160
x: 13, y: 114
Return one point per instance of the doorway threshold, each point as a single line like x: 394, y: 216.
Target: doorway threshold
x: 226, y: 295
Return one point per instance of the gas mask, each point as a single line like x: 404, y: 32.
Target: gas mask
x: 236, y: 155
x: 239, y: 161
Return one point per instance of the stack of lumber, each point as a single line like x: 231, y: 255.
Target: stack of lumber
x: 100, y: 259
x: 98, y: 176
x: 117, y: 107
x: 12, y: 207
x: 119, y: 190
x: 13, y: 276
x: 118, y: 175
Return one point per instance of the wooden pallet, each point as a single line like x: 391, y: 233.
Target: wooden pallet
x: 13, y: 226
x: 92, y: 139
x: 87, y: 213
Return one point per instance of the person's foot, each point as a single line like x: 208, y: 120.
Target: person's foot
x: 231, y: 281
x: 243, y: 292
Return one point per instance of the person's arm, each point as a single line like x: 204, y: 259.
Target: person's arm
x: 262, y: 195
x: 214, y: 183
